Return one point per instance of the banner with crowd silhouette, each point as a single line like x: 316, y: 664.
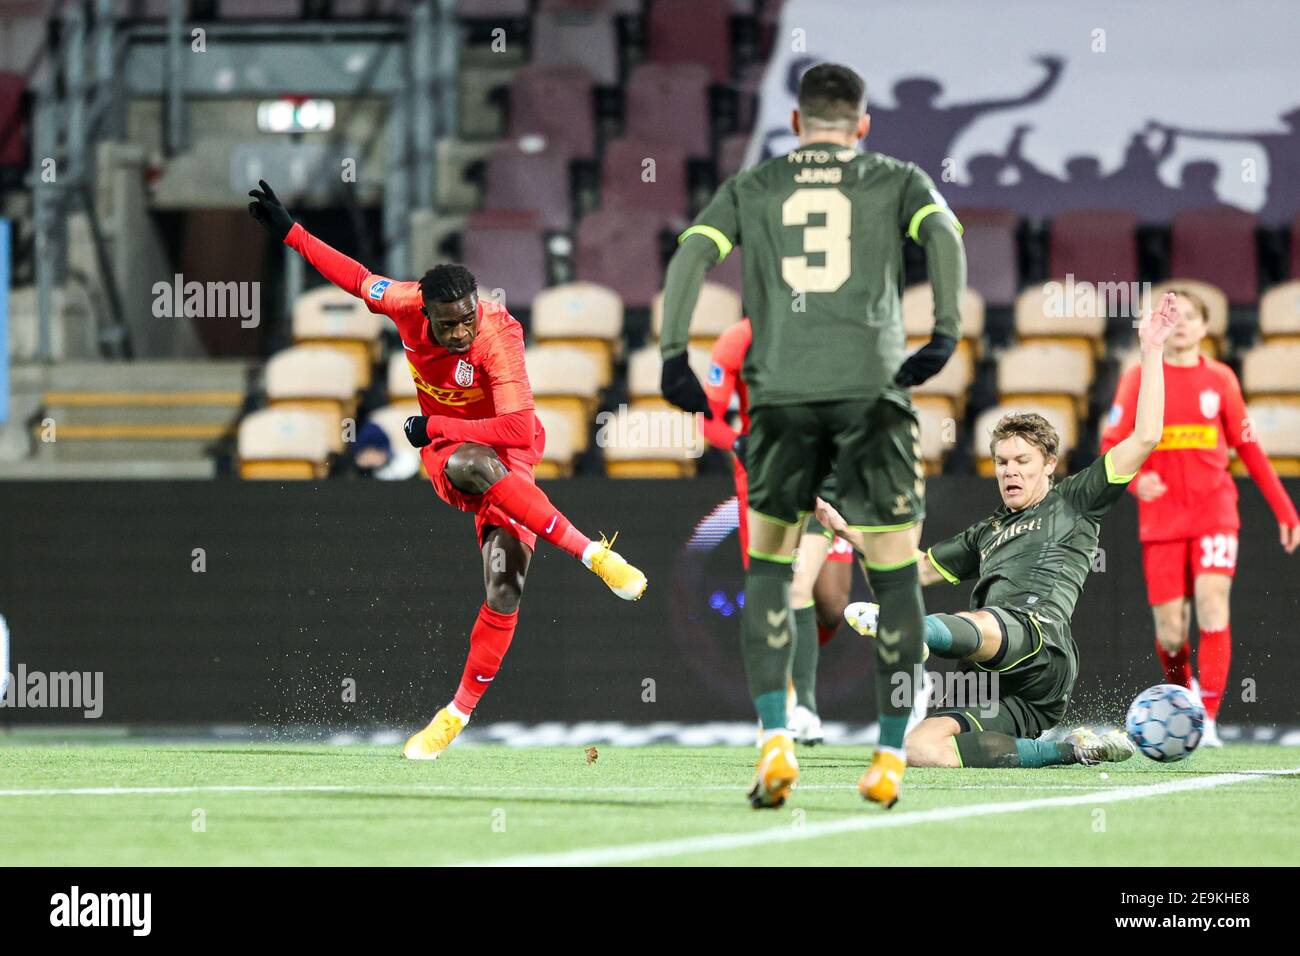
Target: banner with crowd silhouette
x: 1042, y: 106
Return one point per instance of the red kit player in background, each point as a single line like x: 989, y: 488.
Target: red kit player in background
x: 823, y: 573
x: 1187, y: 505
x: 479, y: 440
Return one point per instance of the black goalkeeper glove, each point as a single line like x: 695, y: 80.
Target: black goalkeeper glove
x: 266, y: 209
x: 417, y: 431
x: 926, y: 362
x: 738, y: 448
x: 680, y: 386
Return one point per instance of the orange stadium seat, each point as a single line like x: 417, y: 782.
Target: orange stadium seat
x: 583, y: 315
x: 566, y: 381
x: 329, y: 317
x: 283, y: 444
x: 717, y: 309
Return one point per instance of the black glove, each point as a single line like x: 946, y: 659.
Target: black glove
x: 417, y: 431
x: 681, y: 387
x: 267, y: 210
x: 738, y: 448
x: 926, y: 362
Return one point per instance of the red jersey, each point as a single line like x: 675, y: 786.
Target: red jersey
x: 487, y: 382
x: 724, y: 380
x: 1205, y: 415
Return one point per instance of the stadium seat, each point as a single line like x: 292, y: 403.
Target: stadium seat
x: 506, y: 251
x: 554, y: 102
x: 1217, y: 246
x: 585, y: 316
x: 651, y: 443
x: 716, y: 310
x: 565, y: 380
x: 1094, y: 245
x: 392, y: 419
x: 669, y: 103
x: 401, y: 384
x: 561, y: 444
x: 1279, y: 311
x: 610, y: 239
x: 1062, y: 418
x: 331, y: 318
x: 1216, y: 303
x: 625, y: 181
x: 691, y: 31
x: 1277, y: 426
x: 953, y: 381
x: 938, y: 429
x: 991, y: 257
x: 918, y: 314
x: 1038, y: 317
x: 283, y: 444
x: 588, y: 38
x: 530, y: 175
x: 643, y: 373
x: 1046, y: 372
x: 1271, y: 370
x: 314, y: 379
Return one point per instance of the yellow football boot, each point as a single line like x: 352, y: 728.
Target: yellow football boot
x: 777, y: 772
x: 884, y: 779
x: 622, y: 578
x: 430, y: 742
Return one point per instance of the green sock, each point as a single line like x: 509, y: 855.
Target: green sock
x: 987, y: 749
x: 803, y: 667
x: 766, y: 634
x: 951, y: 636
x: 898, y: 646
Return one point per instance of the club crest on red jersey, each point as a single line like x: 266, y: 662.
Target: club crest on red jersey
x: 1209, y: 403
x: 465, y: 375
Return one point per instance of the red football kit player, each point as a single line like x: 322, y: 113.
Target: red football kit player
x: 1187, y: 504
x: 478, y: 438
x: 823, y: 574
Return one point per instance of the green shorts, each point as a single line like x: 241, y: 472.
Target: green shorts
x: 866, y: 453
x: 1034, y: 679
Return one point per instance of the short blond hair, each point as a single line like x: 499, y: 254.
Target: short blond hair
x: 1030, y: 426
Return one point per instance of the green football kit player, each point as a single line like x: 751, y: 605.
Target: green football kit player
x: 1030, y: 560
x: 822, y: 231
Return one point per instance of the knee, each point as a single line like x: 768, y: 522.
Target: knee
x: 505, y: 593
x: 1171, y: 629
x: 928, y: 749
x: 1212, y: 612
x: 475, y: 468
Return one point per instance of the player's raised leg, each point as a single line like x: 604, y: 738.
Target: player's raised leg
x: 505, y: 566
x: 475, y: 469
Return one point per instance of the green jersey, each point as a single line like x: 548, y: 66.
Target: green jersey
x: 822, y: 229
x: 1035, y: 559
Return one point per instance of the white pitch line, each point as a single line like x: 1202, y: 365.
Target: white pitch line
x: 710, y: 843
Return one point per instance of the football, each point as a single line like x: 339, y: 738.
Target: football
x: 1166, y: 722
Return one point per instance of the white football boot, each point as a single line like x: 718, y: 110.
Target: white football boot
x: 805, y: 726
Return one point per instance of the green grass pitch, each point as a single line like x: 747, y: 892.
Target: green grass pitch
x: 128, y: 803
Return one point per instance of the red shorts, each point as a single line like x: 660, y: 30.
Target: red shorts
x: 840, y: 551
x: 1172, y: 566
x: 518, y: 460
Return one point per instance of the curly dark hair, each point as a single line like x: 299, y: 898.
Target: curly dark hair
x: 447, y: 283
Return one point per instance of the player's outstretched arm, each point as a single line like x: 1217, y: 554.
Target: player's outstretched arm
x: 695, y: 256
x: 344, y: 272
x: 1241, y: 436
x: 945, y: 259
x: 832, y: 519
x: 1149, y: 420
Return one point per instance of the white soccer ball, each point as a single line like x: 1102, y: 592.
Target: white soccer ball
x: 1166, y: 722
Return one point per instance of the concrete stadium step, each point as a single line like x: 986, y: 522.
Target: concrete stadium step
x: 143, y: 408
x: 123, y: 444
x: 150, y: 375
x: 42, y: 469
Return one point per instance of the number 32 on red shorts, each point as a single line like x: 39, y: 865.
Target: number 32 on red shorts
x: 1172, y: 566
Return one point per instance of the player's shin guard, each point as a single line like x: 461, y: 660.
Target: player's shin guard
x: 487, y: 647
x: 1177, y: 666
x: 951, y: 636
x: 528, y: 505
x: 803, y: 666
x: 1213, y: 657
x: 766, y: 633
x: 898, y: 645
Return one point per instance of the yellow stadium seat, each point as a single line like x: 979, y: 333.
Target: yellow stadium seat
x: 1060, y: 369
x: 283, y: 445
x: 938, y: 429
x: 644, y: 368
x: 1048, y: 312
x: 583, y: 315
x: 561, y: 444
x: 918, y: 314
x: 1279, y: 312
x: 314, y: 379
x: 330, y: 318
x: 717, y: 308
x: 954, y: 379
x: 565, y: 381
x: 1272, y: 368
x: 650, y: 443
x: 1277, y: 427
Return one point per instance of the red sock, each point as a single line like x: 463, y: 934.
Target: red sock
x: 824, y: 633
x: 529, y: 506
x: 487, y: 646
x: 1178, y: 666
x: 1212, y: 659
